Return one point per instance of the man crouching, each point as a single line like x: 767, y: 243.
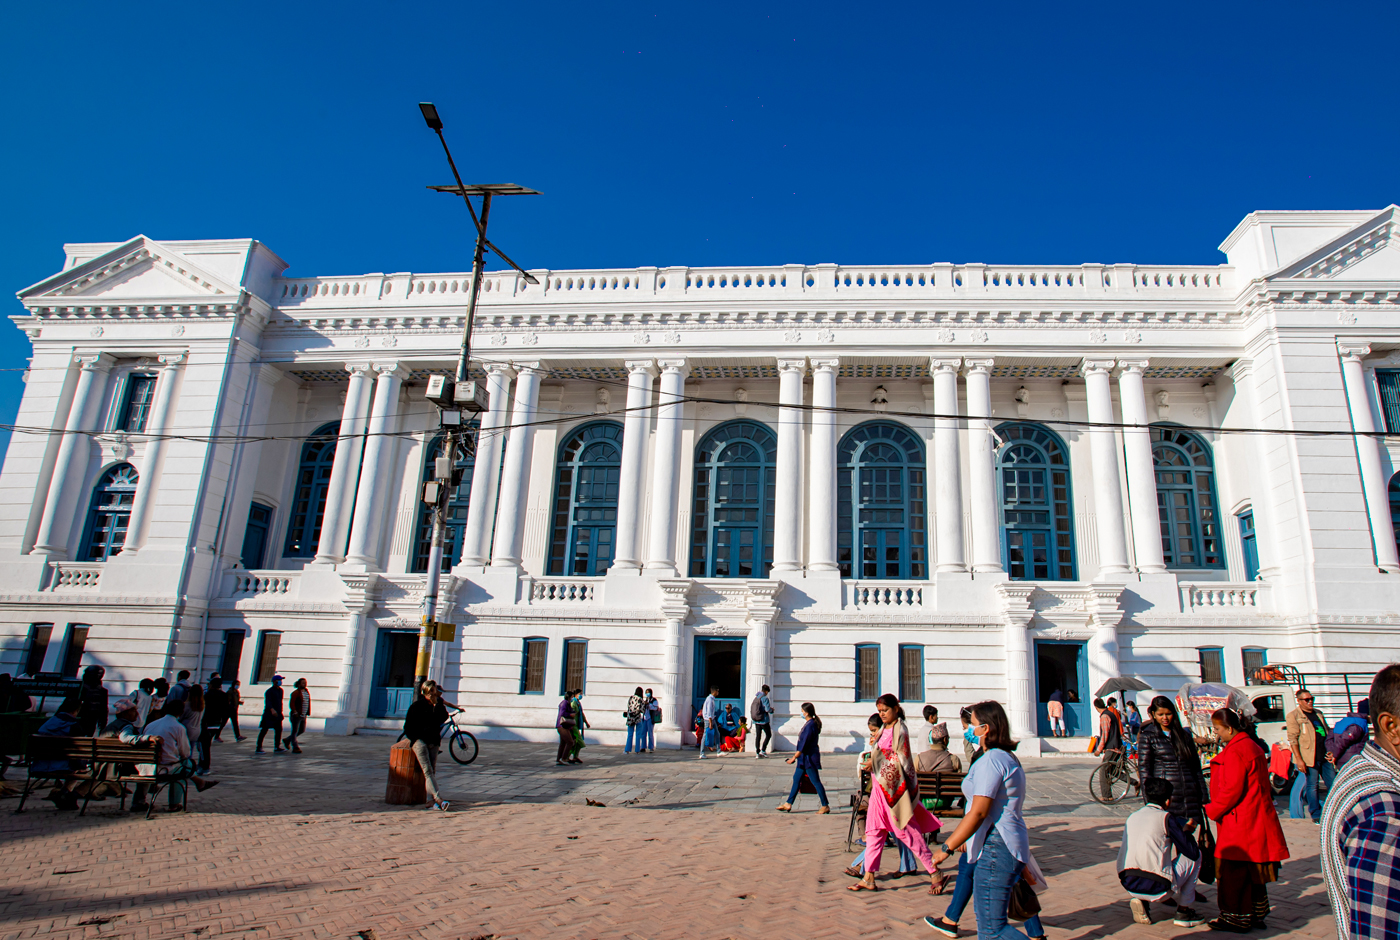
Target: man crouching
x: 1159, y: 859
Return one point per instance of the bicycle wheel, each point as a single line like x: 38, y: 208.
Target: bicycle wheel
x: 1109, y: 783
x: 462, y: 747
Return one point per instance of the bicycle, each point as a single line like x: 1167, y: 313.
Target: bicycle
x: 1112, y: 780
x: 461, y: 743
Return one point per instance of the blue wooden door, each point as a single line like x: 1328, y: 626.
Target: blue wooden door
x: 1063, y: 666
x: 395, y: 659
x: 719, y: 662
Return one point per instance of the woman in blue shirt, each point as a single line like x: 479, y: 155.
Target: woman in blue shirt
x: 808, y: 760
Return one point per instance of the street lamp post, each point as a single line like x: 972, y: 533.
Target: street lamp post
x: 461, y: 395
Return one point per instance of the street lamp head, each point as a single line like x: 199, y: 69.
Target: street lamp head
x: 430, y: 114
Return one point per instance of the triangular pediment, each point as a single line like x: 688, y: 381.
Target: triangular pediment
x: 1369, y: 252
x: 140, y: 269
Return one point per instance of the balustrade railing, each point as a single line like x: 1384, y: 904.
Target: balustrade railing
x: 74, y: 576
x: 563, y: 590
x: 891, y: 595
x: 1247, y: 597
x: 261, y: 583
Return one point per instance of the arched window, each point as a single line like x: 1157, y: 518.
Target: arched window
x: 1186, y: 503
x: 309, y: 497
x: 456, y: 510
x: 585, y: 500
x: 881, y: 527
x: 731, y: 533
x: 1037, y: 529
x: 109, y: 514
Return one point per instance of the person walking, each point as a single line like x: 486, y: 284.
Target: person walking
x: 651, y: 714
x: 215, y: 714
x: 92, y: 699
x: 235, y: 699
x: 1306, y: 730
x: 908, y: 864
x: 181, y: 689
x: 422, y: 726
x: 633, y: 716
x: 1132, y: 721
x: 272, y: 716
x: 894, y: 807
x: 564, y: 725
x: 1361, y: 825
x: 1168, y: 751
x: 580, y: 724
x: 1249, y: 844
x: 299, y: 709
x: 808, y: 758
x: 709, y: 713
x: 193, y: 719
x: 994, y: 828
x: 970, y: 748
x: 761, y: 717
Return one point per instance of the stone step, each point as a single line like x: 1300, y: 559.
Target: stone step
x: 1065, y: 747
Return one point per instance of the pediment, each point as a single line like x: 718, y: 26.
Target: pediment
x: 141, y: 269
x: 1368, y: 252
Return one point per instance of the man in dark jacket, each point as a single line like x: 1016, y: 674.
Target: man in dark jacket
x: 422, y: 726
x: 215, y: 714
x: 272, y: 716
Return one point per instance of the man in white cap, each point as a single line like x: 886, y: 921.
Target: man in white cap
x: 125, y: 729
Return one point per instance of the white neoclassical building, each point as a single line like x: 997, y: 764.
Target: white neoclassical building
x: 950, y: 481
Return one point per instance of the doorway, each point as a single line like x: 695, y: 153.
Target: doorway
x: 719, y: 663
x: 395, y: 659
x: 1062, y: 666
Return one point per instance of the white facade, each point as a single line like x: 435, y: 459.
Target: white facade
x: 220, y: 369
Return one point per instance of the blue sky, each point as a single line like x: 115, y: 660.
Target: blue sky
x: 685, y: 134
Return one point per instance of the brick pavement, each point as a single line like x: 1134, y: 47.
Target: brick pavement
x: 304, y: 849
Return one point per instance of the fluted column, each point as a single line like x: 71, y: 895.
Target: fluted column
x: 1142, y: 475
x: 490, y: 442
x: 665, y: 480
x: 636, y: 432
x: 70, y: 469
x: 515, y: 473
x: 821, y: 546
x: 675, y: 607
x: 1368, y: 454
x: 986, y: 526
x: 948, y: 508
x: 340, y: 492
x: 1261, y: 489
x: 1108, y: 492
x: 371, y: 502
x: 787, y: 498
x: 139, y: 526
x: 1017, y: 614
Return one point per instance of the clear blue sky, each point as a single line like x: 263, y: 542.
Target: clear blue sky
x: 685, y: 134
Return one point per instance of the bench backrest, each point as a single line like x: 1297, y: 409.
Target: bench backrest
x: 92, y: 750
x: 945, y: 785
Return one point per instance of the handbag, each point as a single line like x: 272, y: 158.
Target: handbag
x: 1093, y: 744
x: 1024, y: 903
x: 1206, y: 840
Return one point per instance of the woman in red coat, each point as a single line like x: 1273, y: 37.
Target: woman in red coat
x: 1250, y: 844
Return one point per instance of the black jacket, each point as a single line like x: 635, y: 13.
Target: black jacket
x: 424, y: 721
x: 1157, y: 758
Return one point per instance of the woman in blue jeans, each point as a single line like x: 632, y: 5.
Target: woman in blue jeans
x: 993, y: 831
x: 808, y: 760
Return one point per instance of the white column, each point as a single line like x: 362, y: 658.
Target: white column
x: 675, y: 607
x: 1261, y: 488
x: 1368, y: 455
x: 948, y: 476
x: 821, y: 547
x: 986, y: 523
x: 787, y: 499
x: 636, y: 431
x: 1142, y: 475
x: 665, y: 479
x: 490, y: 442
x: 371, y: 501
x: 340, y: 493
x: 1108, y: 492
x: 515, y: 474
x: 359, y: 600
x: 157, y: 421
x: 1019, y: 710
x: 70, y: 469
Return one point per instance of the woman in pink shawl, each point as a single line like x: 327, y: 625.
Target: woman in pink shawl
x: 894, y: 799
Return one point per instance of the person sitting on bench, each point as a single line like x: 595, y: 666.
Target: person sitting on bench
x: 124, y: 729
x: 937, y: 759
x: 62, y: 724
x: 176, y: 763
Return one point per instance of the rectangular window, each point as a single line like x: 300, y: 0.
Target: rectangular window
x: 232, y: 657
x: 39, y: 634
x: 575, y: 665
x: 136, y: 403
x: 73, y: 649
x: 867, y: 672
x: 1388, y: 383
x: 255, y: 535
x: 911, y: 673
x: 1212, y: 664
x: 269, y: 644
x: 1249, y: 544
x: 532, y: 666
x: 1254, y: 660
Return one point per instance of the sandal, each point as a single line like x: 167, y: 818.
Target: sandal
x: 853, y: 872
x: 864, y: 885
x: 937, y: 885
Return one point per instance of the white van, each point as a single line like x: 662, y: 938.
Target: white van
x: 1272, y: 703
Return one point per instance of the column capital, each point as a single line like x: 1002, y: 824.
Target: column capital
x: 1129, y: 366
x: 527, y: 368
x: 500, y: 368
x: 1095, y: 366
x: 979, y: 366
x: 393, y: 369
x: 269, y: 374
x: 1242, y: 369
x: 641, y: 365
x: 358, y: 368
x: 172, y: 360
x: 1356, y: 351
x: 935, y: 366
x: 95, y: 362
x: 792, y: 365
x: 830, y: 364
x: 680, y: 366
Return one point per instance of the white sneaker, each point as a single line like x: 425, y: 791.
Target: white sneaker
x: 1140, y: 911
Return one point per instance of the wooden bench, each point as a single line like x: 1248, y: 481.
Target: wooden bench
x: 945, y: 786
x: 96, y: 760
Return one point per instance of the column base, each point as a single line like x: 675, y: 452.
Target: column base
x: 988, y: 569
x: 505, y: 563
x: 342, y: 725
x: 664, y: 569
x: 44, y: 551
x: 626, y: 566
x: 1113, y: 573
x: 359, y: 566
x: 952, y: 573
x: 1149, y: 571
x: 786, y: 566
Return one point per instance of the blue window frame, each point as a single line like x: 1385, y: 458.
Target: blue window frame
x: 255, y: 536
x: 1253, y: 659
x: 585, y: 500
x: 265, y: 667
x: 1388, y: 384
x: 457, y: 506
x: 1395, y: 508
x: 532, y: 662
x: 109, y: 513
x: 574, y: 675
x: 136, y: 403
x: 911, y: 672
x: 1212, y: 660
x: 1250, y: 544
x: 1036, y: 523
x: 309, y: 499
x: 1186, y: 502
x: 732, y: 525
x: 867, y: 672
x: 881, y: 525
x: 37, y: 648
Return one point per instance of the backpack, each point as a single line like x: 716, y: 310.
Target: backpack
x: 756, y: 712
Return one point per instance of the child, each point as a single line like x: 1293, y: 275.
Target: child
x: 735, y: 742
x: 1159, y: 859
x: 907, y: 861
x: 931, y: 723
